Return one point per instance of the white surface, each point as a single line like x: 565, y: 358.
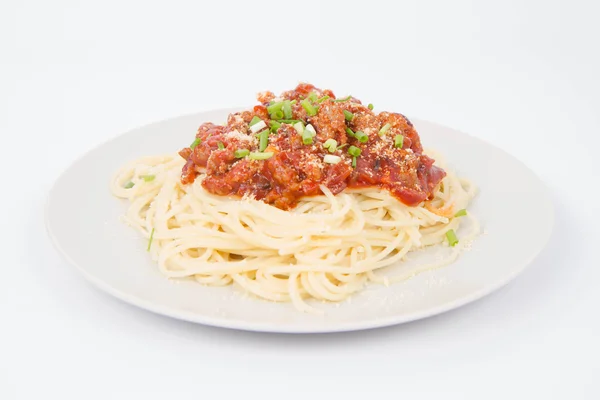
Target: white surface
x: 513, y: 208
x: 520, y: 74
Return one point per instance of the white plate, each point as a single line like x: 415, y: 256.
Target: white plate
x: 82, y: 218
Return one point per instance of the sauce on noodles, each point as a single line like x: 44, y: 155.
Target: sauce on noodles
x: 287, y: 146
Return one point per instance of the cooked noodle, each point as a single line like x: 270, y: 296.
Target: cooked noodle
x: 326, y: 248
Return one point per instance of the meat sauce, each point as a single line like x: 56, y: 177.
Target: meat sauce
x: 295, y: 169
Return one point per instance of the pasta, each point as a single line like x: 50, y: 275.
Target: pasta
x: 304, y: 196
x: 327, y: 248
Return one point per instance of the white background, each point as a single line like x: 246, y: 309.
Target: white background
x: 519, y: 74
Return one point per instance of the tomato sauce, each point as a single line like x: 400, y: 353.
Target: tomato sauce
x: 289, y: 168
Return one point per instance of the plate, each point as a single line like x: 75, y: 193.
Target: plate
x: 82, y: 219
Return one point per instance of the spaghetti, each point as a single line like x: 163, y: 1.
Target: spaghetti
x: 327, y: 248
x: 304, y: 196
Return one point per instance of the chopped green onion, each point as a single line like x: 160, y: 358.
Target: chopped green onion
x: 293, y: 101
x: 342, y: 146
x: 370, y: 106
x: 277, y: 114
x: 361, y: 136
x: 354, y: 151
x: 263, y: 138
x: 353, y: 162
x: 258, y: 126
x: 384, y: 129
x: 148, y: 178
x: 461, y: 213
x: 274, y: 107
x: 287, y: 109
x: 195, y: 143
x: 299, y: 127
x: 150, y: 241
x: 260, y: 156
x: 307, y: 137
x: 331, y: 145
x: 289, y: 121
x: 331, y: 159
x: 129, y: 185
x: 255, y: 120
x: 348, y: 115
x: 313, y: 97
x: 275, y: 111
x: 398, y: 141
x: 274, y: 125
x: 350, y: 132
x: 322, y: 99
x: 241, y: 153
x: 343, y: 99
x: 220, y: 145
x: 311, y: 129
x: 310, y: 109
x: 451, y: 236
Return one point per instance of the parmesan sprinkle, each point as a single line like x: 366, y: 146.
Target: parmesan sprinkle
x: 237, y: 135
x: 331, y: 159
